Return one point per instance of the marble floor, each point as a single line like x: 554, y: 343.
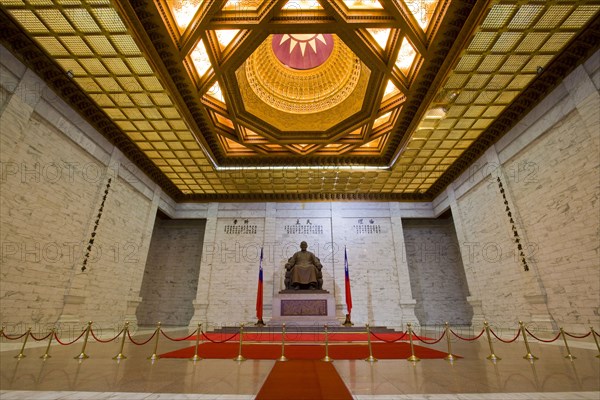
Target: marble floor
x: 472, y: 377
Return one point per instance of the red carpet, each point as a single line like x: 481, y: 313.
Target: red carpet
x: 306, y: 337
x: 302, y: 380
x: 305, y: 352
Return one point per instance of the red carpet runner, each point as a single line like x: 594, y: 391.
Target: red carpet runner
x: 398, y: 350
x: 302, y: 380
x: 306, y: 337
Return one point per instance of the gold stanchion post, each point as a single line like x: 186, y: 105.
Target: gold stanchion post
x: 450, y: 357
x: 492, y: 356
x: 412, y: 357
x: 595, y: 340
x: 196, y: 357
x: 121, y: 355
x: 155, y: 356
x: 527, y: 356
x: 82, y: 355
x: 21, y: 354
x: 370, y: 358
x: 569, y: 355
x: 46, y: 355
x: 239, y: 356
x: 326, y: 358
x: 283, y: 357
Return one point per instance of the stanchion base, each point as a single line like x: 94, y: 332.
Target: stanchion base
x: 82, y: 356
x: 282, y: 358
x: 493, y: 357
x: 327, y: 359
x: 45, y: 356
x: 21, y: 355
x: 196, y: 357
x: 239, y: 358
x: 371, y: 359
x: 260, y: 323
x: 153, y: 357
x: 347, y: 322
x: 119, y: 356
x: 570, y: 357
x: 413, y: 358
x: 450, y: 357
x: 530, y: 356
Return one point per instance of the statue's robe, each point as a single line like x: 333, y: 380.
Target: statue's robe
x: 304, y: 269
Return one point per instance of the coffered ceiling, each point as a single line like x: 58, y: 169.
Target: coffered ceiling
x: 302, y: 99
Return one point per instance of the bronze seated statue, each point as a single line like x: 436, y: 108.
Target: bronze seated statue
x: 303, y: 271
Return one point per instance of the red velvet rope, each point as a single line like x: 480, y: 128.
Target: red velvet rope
x: 596, y: 333
x: 178, y: 339
x: 542, y: 340
x: 66, y: 344
x: 578, y: 337
x: 44, y: 338
x: 14, y: 338
x: 219, y: 341
x: 389, y: 341
x: 506, y: 341
x: 106, y: 341
x: 140, y: 343
x: 468, y: 339
x: 426, y: 342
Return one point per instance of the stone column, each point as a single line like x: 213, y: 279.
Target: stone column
x: 76, y: 291
x: 137, y: 275
x: 271, y: 271
x: 466, y: 255
x: 584, y: 94
x: 209, y: 250
x: 338, y: 259
x: 407, y: 302
x: 22, y: 102
x: 532, y: 286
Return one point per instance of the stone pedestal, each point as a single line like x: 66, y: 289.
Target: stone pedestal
x: 478, y: 318
x: 130, y: 314
x: 71, y: 311
x: 303, y: 308
x: 539, y: 316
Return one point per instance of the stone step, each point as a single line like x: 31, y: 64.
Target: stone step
x: 301, y: 329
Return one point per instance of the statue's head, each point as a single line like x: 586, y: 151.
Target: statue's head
x: 303, y: 245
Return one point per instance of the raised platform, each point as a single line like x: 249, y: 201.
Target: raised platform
x: 274, y: 328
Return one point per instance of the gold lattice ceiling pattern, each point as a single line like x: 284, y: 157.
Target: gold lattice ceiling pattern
x: 193, y: 110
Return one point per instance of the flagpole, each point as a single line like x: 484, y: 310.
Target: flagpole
x: 259, y: 293
x: 348, y: 321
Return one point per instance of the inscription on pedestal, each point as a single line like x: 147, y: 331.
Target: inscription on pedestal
x: 303, y: 307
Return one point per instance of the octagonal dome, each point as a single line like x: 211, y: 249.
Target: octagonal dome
x: 308, y: 82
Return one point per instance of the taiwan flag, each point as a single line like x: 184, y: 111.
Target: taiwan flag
x: 347, y: 283
x: 259, y: 293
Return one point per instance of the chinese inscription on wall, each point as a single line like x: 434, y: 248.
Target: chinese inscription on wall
x: 240, y: 227
x: 366, y: 227
x: 307, y: 228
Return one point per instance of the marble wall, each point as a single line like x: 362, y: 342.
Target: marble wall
x: 236, y: 232
x: 371, y: 233
x: 54, y: 174
x: 549, y: 167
